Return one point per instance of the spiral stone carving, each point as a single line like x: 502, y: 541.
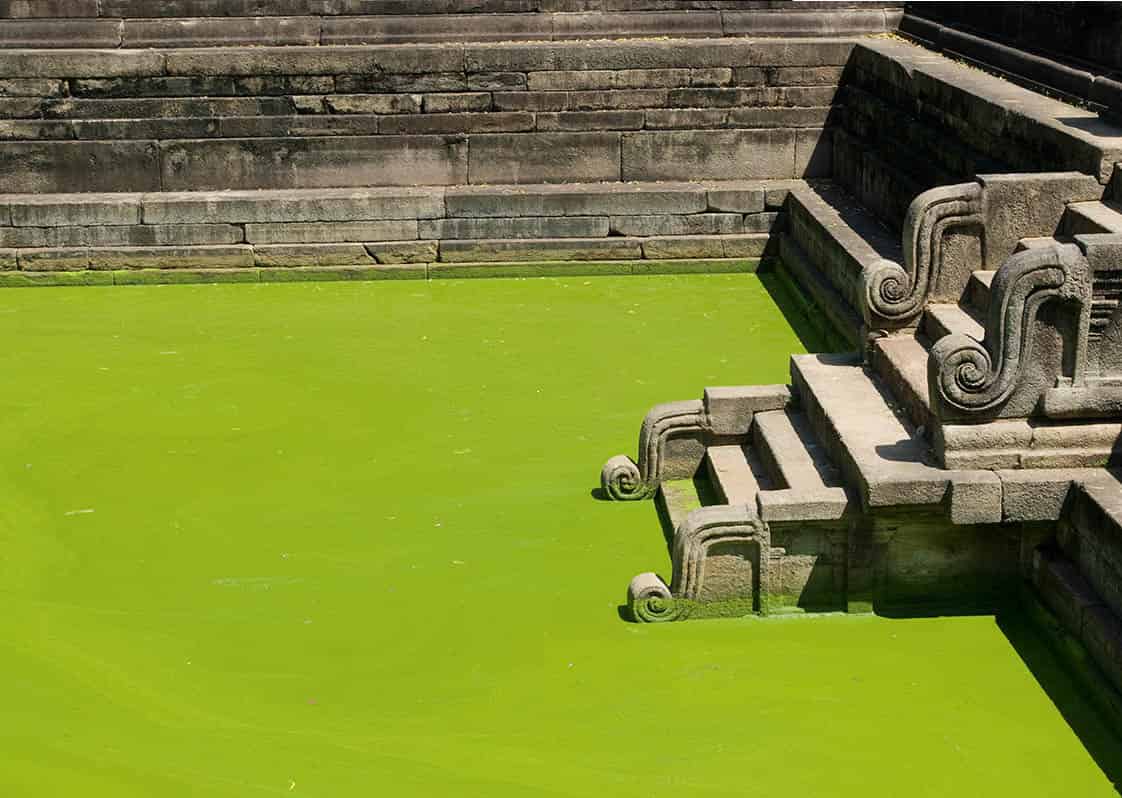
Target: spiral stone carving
x: 649, y: 600
x: 895, y: 295
x: 623, y: 479
x: 967, y: 376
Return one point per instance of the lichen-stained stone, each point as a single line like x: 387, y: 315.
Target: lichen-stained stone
x: 460, y: 102
x: 709, y: 155
x: 75, y: 210
x: 450, y: 124
x: 520, y: 227
x: 296, y: 255
x: 160, y: 235
x: 358, y: 60
x: 705, y: 246
x: 294, y: 205
x: 374, y: 103
x: 218, y: 32
x: 399, y: 252
x: 589, y: 120
x: 331, y: 232
x: 557, y: 249
x: 667, y: 225
x: 313, y: 162
x: 200, y: 257
x: 401, y: 28
x: 31, y: 167
x: 735, y: 199
x: 544, y: 158
x: 53, y: 260
x: 56, y: 33
x: 81, y: 64
x: 603, y: 79
x: 574, y: 200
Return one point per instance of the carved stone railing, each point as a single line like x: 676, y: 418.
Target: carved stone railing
x: 970, y: 379
x: 673, y: 437
x: 895, y: 295
x: 733, y: 532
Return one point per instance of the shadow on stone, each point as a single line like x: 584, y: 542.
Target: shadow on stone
x: 812, y: 330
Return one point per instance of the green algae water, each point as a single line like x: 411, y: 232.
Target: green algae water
x: 340, y: 540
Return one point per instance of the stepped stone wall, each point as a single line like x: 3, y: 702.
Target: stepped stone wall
x: 245, y: 118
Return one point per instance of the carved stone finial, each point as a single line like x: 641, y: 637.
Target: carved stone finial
x: 649, y: 600
x: 895, y: 295
x: 968, y: 376
x: 624, y: 479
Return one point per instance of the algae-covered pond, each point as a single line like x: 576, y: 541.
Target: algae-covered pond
x: 339, y: 540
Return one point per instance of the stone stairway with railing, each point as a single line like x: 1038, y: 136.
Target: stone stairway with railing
x: 863, y: 485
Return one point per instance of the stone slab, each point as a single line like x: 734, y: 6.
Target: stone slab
x: 558, y: 249
x: 575, y: 200
x: 544, y: 158
x: 203, y: 257
x: 302, y: 255
x: 294, y: 205
x: 709, y: 155
x: 330, y: 232
x: 313, y: 162
x: 520, y: 227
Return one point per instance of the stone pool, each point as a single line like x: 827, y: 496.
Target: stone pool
x: 310, y: 539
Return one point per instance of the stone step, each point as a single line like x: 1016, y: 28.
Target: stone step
x: 978, y: 289
x: 878, y: 453
x: 307, y: 29
x: 731, y: 475
x: 676, y: 499
x: 791, y: 455
x: 901, y: 361
x: 840, y: 237
x: 943, y: 319
x: 1092, y: 217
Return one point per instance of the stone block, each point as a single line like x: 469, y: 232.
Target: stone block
x: 81, y: 64
x: 331, y: 232
x: 666, y: 225
x: 202, y: 257
x: 556, y: 249
x: 568, y: 268
x: 1063, y: 589
x: 712, y: 77
x: 219, y: 32
x: 750, y: 76
x: 395, y: 252
x: 401, y: 28
x: 738, y: 199
x: 259, y: 61
x: 44, y: 237
x: 975, y: 498
x: 709, y: 155
x: 808, y: 22
x: 530, y: 100
x: 779, y: 117
x: 497, y: 81
x: 590, y: 120
x: 762, y: 222
x: 545, y: 158
x: 599, y: 24
x: 184, y: 276
x: 1037, y: 494
x: 615, y: 100
x: 686, y: 118
x: 53, y: 167
x: 55, y: 33
x: 36, y: 279
x: 654, y: 54
x: 162, y: 235
x: 1027, y: 205
x: 24, y: 9
x: 298, y: 255
x: 451, y: 124
x: 315, y: 162
x: 30, y: 87
x: 374, y: 103
x: 51, y: 260
x: 603, y: 79
x: 302, y: 205
x: 805, y: 76
x: 520, y: 227
x: 462, y: 102
x: 408, y: 83
x: 344, y: 273
x: 75, y: 210
x: 730, y: 409
x: 1102, y: 250
x: 715, y: 246
x: 575, y: 200
x: 1102, y: 635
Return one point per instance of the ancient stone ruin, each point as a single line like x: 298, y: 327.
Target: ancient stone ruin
x: 941, y: 189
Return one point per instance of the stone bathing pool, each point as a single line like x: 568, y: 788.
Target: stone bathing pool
x: 302, y: 539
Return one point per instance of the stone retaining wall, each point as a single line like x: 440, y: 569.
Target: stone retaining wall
x: 249, y: 118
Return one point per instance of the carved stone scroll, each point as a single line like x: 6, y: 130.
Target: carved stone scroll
x: 967, y: 377
x: 896, y: 295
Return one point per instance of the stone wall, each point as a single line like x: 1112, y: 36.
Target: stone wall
x: 242, y: 118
